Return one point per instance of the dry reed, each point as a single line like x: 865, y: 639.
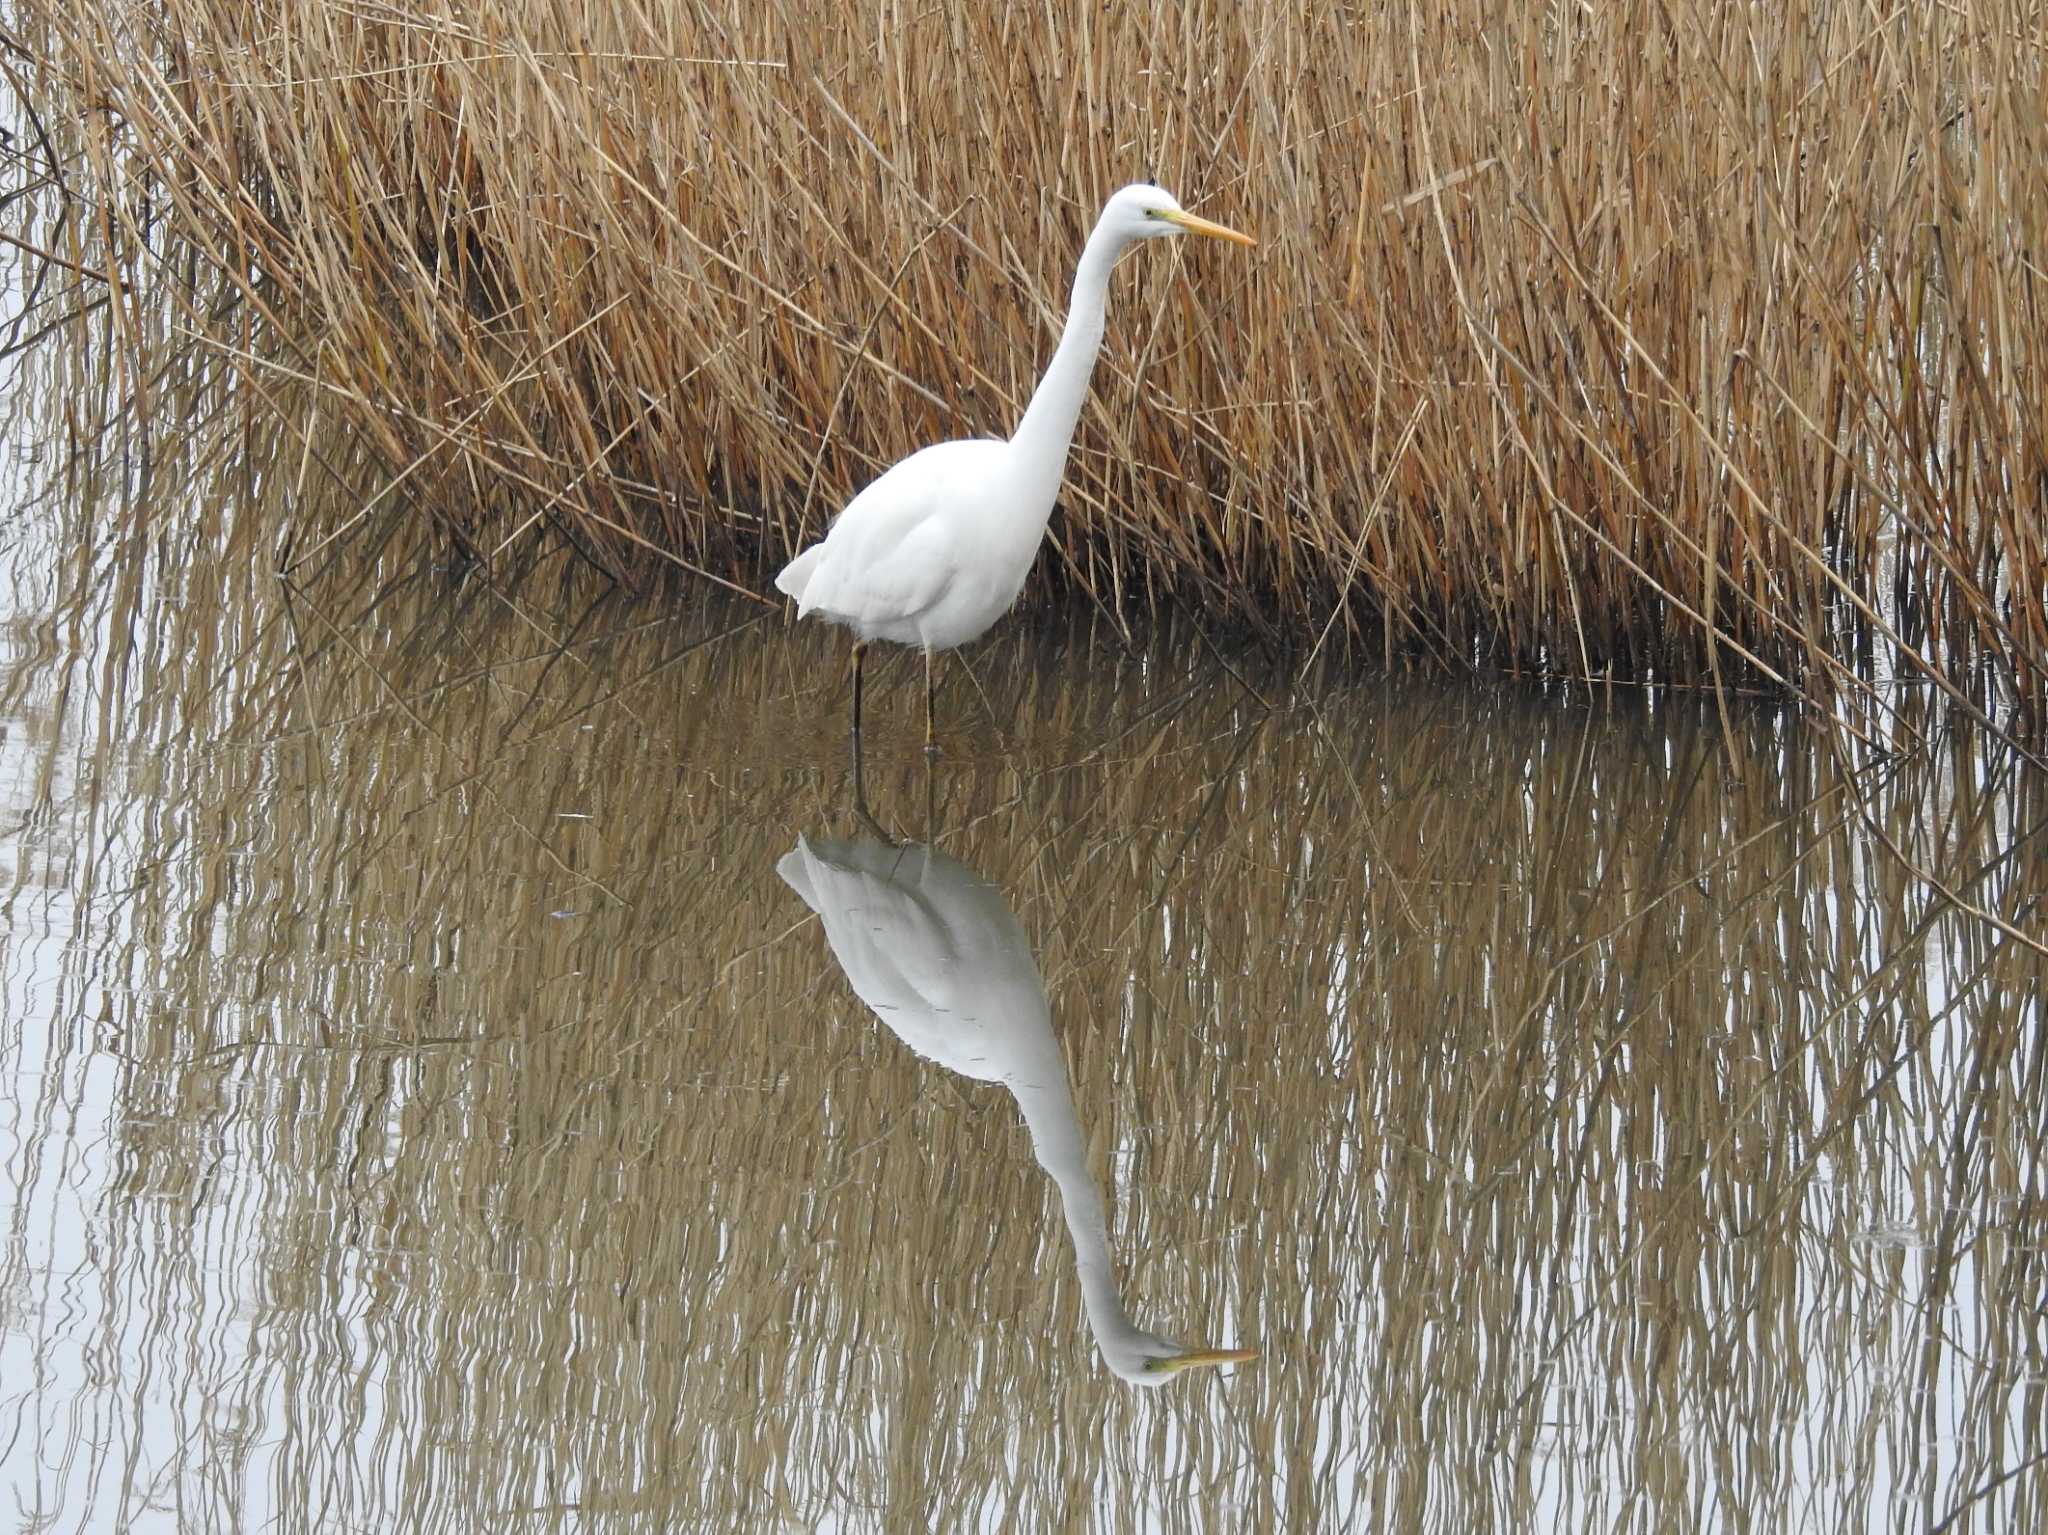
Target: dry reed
x: 1686, y: 342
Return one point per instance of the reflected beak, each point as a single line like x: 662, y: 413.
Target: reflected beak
x: 1201, y: 226
x: 1201, y: 1356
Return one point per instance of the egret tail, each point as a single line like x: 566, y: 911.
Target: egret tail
x: 796, y: 575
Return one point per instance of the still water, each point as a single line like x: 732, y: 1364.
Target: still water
x: 442, y: 1090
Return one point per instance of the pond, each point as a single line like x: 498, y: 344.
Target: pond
x: 444, y: 1091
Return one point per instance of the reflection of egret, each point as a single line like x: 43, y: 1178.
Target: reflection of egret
x: 929, y: 945
x: 937, y: 549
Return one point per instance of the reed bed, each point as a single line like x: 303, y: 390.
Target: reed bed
x: 1694, y: 342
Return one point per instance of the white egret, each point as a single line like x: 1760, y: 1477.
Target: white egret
x: 936, y: 550
x: 929, y: 945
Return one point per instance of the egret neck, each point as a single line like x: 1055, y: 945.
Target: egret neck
x: 1040, y: 442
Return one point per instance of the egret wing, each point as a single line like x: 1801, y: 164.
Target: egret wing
x: 929, y: 945
x: 893, y: 554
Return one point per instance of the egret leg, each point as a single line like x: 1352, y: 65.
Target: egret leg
x: 931, y: 806
x: 860, y: 797
x: 860, y: 651
x: 931, y: 740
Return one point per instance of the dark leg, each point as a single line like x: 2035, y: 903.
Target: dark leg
x: 860, y: 797
x: 860, y: 786
x: 860, y: 650
x: 931, y: 740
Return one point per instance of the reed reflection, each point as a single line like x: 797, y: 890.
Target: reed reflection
x: 406, y: 1026
x: 931, y: 948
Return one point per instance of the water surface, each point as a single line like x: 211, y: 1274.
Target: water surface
x: 432, y: 1104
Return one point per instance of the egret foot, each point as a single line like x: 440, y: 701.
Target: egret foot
x: 875, y: 827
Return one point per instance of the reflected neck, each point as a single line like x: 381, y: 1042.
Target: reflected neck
x: 1048, y: 1107
x: 1101, y: 1296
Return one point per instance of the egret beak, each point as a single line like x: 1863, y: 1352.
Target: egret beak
x: 1174, y: 1364
x: 1201, y: 226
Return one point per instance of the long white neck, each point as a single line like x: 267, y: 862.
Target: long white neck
x: 1042, y: 437
x: 1048, y: 1107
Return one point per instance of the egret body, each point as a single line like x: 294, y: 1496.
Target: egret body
x: 936, y: 550
x: 929, y: 945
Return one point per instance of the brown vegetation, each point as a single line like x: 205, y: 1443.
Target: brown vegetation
x: 1674, y: 340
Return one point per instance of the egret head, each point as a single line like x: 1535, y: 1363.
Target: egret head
x: 1148, y: 1360
x: 1143, y: 211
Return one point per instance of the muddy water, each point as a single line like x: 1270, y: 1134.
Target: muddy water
x: 443, y: 1090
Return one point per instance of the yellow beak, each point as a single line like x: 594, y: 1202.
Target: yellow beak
x: 1201, y: 226
x: 1201, y: 1356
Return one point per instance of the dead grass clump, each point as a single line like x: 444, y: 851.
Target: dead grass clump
x: 1673, y: 342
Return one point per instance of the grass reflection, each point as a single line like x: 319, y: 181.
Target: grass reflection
x: 432, y: 1111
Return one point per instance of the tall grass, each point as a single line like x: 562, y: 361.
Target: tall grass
x: 1684, y: 341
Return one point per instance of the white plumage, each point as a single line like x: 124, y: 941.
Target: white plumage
x: 937, y: 549
x: 931, y: 947
x: 929, y: 555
